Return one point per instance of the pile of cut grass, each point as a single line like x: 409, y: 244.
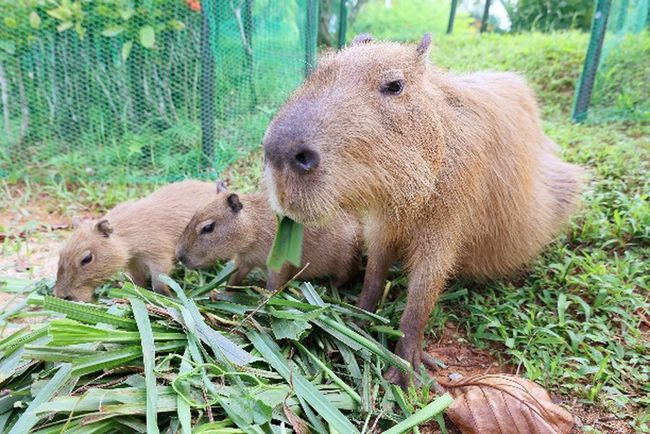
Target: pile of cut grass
x: 244, y: 362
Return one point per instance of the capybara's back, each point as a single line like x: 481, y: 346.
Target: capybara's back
x: 518, y: 191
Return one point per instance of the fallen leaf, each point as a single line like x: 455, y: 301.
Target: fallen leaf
x: 504, y: 404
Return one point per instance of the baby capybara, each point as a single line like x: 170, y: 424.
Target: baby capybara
x: 451, y: 173
x: 242, y: 228
x: 139, y: 237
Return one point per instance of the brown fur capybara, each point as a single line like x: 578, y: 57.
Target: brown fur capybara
x: 452, y: 174
x: 242, y: 228
x: 139, y: 237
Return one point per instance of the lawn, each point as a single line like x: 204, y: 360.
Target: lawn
x: 576, y: 320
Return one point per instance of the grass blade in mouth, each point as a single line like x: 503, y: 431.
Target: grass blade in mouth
x: 287, y: 244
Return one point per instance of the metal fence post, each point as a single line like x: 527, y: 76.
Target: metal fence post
x: 452, y: 16
x: 343, y: 23
x: 486, y: 16
x: 311, y: 35
x: 588, y: 76
x: 207, y: 86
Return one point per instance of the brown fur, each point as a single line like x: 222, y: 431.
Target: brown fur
x: 453, y: 175
x: 243, y: 230
x: 138, y: 236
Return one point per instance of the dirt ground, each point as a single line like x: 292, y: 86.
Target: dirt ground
x: 462, y: 359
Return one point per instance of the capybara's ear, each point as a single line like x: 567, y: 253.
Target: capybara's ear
x: 424, y: 46
x: 221, y: 186
x: 363, y: 38
x: 104, y: 228
x: 234, y: 203
x: 76, y: 222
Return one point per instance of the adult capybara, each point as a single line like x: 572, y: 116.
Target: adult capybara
x: 451, y: 173
x: 138, y: 236
x: 242, y: 227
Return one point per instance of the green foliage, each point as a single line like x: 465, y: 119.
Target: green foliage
x: 112, y: 89
x: 90, y: 371
x: 550, y: 15
x: 406, y: 20
x: 621, y: 88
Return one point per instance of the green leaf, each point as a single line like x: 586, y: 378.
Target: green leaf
x: 182, y: 407
x: 126, y: 50
x: 429, y: 412
x: 177, y: 25
x: 289, y: 329
x: 10, y: 22
x: 112, y: 31
x: 147, y: 36
x: 267, y: 347
x: 7, y: 46
x: 28, y: 419
x: 34, y: 20
x: 149, y: 355
x: 64, y: 26
x: 287, y: 245
x: 329, y: 372
x: 219, y: 343
x: 87, y: 313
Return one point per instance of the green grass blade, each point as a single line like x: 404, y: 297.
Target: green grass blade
x: 371, y: 346
x: 86, y: 313
x: 149, y: 355
x: 219, y: 343
x: 429, y: 412
x: 28, y: 419
x: 20, y: 338
x: 329, y: 372
x: 182, y: 407
x: 220, y: 278
x: 267, y: 347
x: 287, y: 244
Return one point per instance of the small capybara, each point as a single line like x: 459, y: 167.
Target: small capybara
x: 139, y: 237
x: 242, y: 228
x: 452, y: 174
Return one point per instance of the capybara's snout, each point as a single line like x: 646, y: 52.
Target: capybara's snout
x: 289, y: 141
x: 299, y: 157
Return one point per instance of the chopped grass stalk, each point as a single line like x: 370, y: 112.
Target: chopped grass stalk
x: 429, y: 412
x: 28, y: 419
x: 149, y: 354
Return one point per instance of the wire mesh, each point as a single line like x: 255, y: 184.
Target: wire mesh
x: 153, y: 90
x: 620, y: 87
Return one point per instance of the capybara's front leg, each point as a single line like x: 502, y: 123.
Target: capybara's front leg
x: 239, y: 275
x: 156, y: 269
x: 426, y: 281
x: 278, y: 278
x: 380, y: 258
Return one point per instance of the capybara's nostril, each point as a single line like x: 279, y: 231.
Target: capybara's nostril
x: 181, y: 258
x: 68, y: 297
x: 305, y: 160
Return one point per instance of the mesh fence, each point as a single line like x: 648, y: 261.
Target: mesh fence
x: 150, y: 90
x: 614, y: 86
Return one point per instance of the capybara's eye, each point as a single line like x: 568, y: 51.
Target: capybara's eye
x: 87, y: 259
x: 393, y: 87
x: 207, y: 228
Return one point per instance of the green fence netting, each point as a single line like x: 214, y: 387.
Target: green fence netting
x: 612, y: 86
x: 144, y: 90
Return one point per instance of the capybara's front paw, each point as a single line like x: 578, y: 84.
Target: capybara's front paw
x: 401, y: 378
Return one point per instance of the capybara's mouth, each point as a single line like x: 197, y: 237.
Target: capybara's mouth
x: 305, y: 199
